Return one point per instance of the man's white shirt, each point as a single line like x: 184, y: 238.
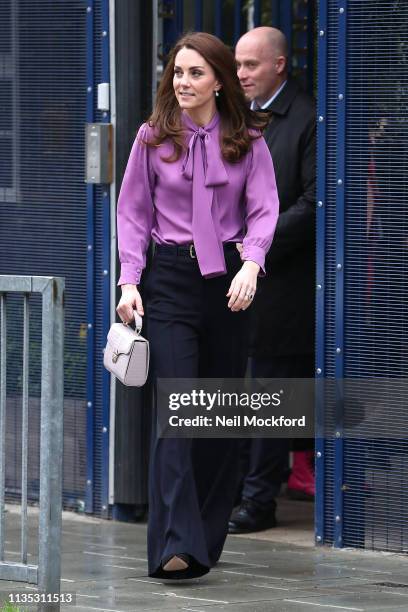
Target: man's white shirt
x: 268, y: 102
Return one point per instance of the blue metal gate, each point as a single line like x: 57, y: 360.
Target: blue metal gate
x: 52, y: 55
x: 98, y: 249
x: 229, y: 19
x: 362, y: 290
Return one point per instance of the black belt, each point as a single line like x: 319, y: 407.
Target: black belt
x: 187, y: 250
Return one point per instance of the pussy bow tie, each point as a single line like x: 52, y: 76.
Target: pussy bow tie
x: 204, y: 166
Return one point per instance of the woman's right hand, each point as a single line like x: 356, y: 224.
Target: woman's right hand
x: 131, y: 300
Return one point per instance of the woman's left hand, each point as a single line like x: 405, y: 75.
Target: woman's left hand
x: 243, y: 287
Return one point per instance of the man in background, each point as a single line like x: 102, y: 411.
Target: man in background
x: 283, y: 310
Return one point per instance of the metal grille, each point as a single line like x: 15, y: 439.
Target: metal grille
x: 365, y: 480
x: 47, y: 572
x: 329, y: 251
x: 101, y: 286
x: 43, y: 209
x: 376, y: 289
x: 229, y: 19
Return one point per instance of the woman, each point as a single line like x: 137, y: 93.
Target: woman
x: 199, y: 180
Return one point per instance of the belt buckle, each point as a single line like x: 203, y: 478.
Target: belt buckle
x: 192, y: 252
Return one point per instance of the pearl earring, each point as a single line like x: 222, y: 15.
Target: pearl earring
x: 217, y: 93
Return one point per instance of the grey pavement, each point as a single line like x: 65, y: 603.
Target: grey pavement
x: 104, y: 565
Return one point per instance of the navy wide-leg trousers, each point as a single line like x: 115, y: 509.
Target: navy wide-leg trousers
x: 192, y: 482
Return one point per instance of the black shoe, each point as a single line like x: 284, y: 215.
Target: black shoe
x: 249, y: 518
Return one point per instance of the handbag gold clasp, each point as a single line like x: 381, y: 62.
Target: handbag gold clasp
x: 115, y: 356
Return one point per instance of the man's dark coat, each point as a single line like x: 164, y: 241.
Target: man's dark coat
x: 283, y: 311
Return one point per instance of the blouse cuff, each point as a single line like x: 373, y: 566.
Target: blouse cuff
x: 256, y: 254
x: 130, y: 274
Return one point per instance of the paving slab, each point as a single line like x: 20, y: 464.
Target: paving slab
x: 104, y: 564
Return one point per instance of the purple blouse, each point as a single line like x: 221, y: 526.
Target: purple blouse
x: 201, y: 199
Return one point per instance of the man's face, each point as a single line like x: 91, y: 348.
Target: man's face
x: 258, y: 69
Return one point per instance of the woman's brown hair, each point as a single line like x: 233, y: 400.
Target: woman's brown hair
x: 236, y: 117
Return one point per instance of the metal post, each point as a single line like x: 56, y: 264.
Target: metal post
x: 113, y: 239
x: 257, y: 13
x: 320, y: 270
x: 104, y: 273
x: 90, y: 272
x: 286, y: 27
x: 173, y: 22
x: 198, y: 15
x: 218, y: 18
x: 155, y: 39
x: 237, y: 20
x: 3, y: 399
x: 51, y: 441
x: 24, y: 432
x: 311, y: 45
x: 275, y: 13
x: 340, y: 218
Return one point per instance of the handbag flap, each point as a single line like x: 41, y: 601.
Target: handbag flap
x: 121, y: 338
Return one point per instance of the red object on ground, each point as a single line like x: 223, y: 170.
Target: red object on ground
x: 301, y: 483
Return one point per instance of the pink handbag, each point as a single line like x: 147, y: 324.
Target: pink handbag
x: 127, y: 354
